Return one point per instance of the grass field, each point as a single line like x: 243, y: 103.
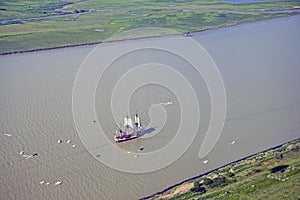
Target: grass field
x: 53, y: 23
x: 251, y: 178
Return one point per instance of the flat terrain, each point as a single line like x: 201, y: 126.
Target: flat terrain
x: 31, y: 25
x: 274, y: 174
x: 36, y: 109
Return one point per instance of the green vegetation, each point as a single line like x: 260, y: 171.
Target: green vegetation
x: 274, y: 174
x: 58, y: 23
x: 278, y: 168
x: 197, y: 188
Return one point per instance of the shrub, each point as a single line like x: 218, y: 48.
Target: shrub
x: 281, y: 168
x: 218, y: 182
x: 196, y: 184
x: 207, y: 181
x: 201, y: 190
x: 230, y: 174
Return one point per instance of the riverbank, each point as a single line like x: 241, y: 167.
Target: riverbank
x: 252, y: 170
x: 135, y: 38
x: 103, y: 21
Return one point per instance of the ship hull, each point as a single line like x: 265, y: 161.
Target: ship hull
x: 127, y: 137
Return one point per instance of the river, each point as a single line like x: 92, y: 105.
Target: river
x: 258, y: 62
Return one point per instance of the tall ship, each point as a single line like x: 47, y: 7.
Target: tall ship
x: 129, y: 130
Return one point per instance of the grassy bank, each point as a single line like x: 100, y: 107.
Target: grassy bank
x: 273, y: 174
x: 81, y: 22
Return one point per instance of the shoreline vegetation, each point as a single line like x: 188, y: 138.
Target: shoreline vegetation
x: 32, y: 26
x: 274, y: 172
x: 133, y: 38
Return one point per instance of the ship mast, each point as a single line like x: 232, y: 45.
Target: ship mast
x: 137, y: 121
x: 120, y: 131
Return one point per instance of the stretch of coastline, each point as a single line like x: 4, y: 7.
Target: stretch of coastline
x: 137, y: 38
x: 159, y: 194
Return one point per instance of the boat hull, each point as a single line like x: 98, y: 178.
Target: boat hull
x: 123, y: 138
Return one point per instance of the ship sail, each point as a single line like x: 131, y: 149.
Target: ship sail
x: 125, y: 121
x: 128, y: 122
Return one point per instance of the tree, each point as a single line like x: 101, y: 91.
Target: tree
x: 200, y: 189
x: 196, y: 184
x: 207, y: 181
x: 230, y: 174
x: 219, y: 182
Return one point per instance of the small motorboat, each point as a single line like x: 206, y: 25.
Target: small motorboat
x: 27, y: 156
x: 168, y: 103
x: 7, y: 134
x: 58, y: 183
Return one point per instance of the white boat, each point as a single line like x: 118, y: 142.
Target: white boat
x: 58, y: 183
x: 27, y: 156
x: 168, y: 103
x: 7, y: 134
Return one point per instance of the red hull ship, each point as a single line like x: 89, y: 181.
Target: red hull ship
x: 129, y: 131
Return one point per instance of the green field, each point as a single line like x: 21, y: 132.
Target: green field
x: 274, y: 174
x: 92, y: 21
